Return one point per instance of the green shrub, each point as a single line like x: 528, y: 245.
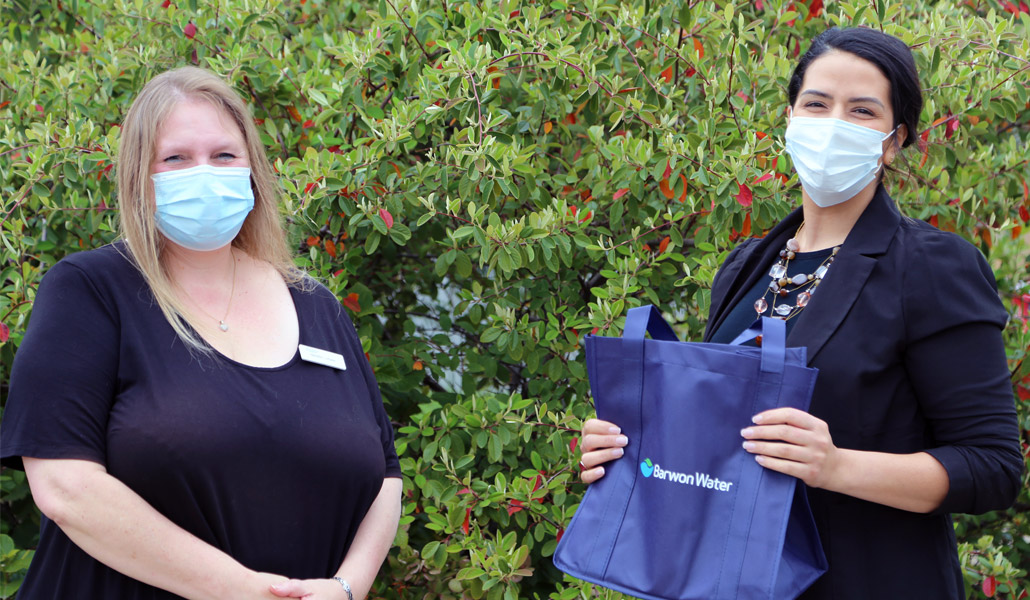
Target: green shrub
x: 483, y: 184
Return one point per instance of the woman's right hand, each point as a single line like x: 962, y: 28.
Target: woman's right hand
x: 602, y: 441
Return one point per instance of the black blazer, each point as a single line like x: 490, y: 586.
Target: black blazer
x: 906, y: 333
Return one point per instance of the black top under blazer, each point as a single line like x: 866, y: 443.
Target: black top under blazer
x: 906, y: 333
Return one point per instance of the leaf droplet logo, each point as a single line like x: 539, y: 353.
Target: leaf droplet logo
x: 647, y: 467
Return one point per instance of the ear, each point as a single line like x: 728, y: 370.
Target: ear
x: 895, y: 144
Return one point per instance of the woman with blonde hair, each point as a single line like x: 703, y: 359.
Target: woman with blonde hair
x: 195, y: 416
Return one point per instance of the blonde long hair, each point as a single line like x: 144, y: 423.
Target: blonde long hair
x: 262, y: 236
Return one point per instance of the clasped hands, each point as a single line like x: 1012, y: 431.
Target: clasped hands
x: 309, y: 589
x: 786, y: 440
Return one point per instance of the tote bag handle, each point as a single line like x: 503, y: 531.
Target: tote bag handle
x: 648, y: 319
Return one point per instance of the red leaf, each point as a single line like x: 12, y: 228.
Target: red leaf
x: 1024, y: 214
x: 667, y: 75
x: 516, y: 506
x: 765, y: 177
x: 4, y: 103
x: 538, y: 483
x: 699, y: 47
x: 667, y: 190
x: 166, y: 3
x: 309, y: 187
x: 1026, y: 189
x: 190, y: 30
x: 465, y: 525
x: 573, y: 444
x: 313, y: 241
x: 586, y: 216
x: 664, y: 245
x: 668, y: 170
x: 814, y: 10
x: 39, y: 108
x: 5, y: 333
x: 514, y: 14
x: 951, y: 128
x: 989, y: 586
x: 745, y: 229
x: 351, y: 302
x: 385, y: 214
x: 330, y: 248
x: 561, y: 532
x: 308, y: 124
x: 744, y: 196
x: 934, y: 221
x: 464, y: 491
x: 618, y: 194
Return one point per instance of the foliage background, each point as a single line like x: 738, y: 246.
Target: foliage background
x: 482, y: 184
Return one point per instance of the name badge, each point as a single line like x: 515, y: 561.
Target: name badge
x: 322, y: 357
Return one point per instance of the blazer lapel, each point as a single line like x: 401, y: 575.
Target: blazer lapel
x: 868, y: 239
x: 752, y: 267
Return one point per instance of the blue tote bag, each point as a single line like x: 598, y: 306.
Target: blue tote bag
x: 686, y: 513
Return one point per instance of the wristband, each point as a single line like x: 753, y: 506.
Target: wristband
x: 346, y: 587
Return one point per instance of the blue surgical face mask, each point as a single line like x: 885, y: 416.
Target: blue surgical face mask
x: 203, y: 207
x: 834, y: 159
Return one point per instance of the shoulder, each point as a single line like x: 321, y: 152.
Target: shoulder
x: 946, y: 280
x: 931, y: 253
x: 104, y: 271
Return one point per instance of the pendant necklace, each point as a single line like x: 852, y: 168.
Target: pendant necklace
x: 222, y: 325
x: 781, y: 285
x: 232, y: 292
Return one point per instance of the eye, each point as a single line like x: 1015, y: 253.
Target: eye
x: 865, y: 111
x: 814, y: 104
x: 173, y: 158
x: 225, y: 156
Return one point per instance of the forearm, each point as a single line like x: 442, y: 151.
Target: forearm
x: 373, y: 539
x: 114, y: 525
x: 912, y: 482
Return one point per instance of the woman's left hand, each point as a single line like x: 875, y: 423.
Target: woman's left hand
x: 310, y: 589
x: 795, y: 443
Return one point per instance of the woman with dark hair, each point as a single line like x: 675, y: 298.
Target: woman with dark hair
x: 912, y: 415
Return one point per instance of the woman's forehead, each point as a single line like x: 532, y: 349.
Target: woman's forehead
x: 844, y: 76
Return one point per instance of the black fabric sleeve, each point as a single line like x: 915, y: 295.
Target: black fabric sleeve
x: 956, y: 363
x: 64, y: 374
x: 393, y: 466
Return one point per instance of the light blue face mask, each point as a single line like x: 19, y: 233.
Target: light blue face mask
x: 203, y: 207
x: 834, y: 159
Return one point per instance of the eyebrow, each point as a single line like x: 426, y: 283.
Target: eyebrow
x: 857, y: 99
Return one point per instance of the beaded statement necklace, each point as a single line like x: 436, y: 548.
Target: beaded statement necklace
x: 781, y: 285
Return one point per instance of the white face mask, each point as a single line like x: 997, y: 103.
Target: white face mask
x: 834, y: 159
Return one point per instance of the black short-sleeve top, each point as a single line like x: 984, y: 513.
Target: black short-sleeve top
x: 275, y: 466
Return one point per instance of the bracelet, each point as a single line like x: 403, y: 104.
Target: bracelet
x: 346, y: 587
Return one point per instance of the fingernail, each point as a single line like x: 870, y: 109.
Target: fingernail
x: 600, y: 471
x: 618, y: 452
x: 756, y: 419
x: 622, y: 440
x: 614, y: 430
x: 746, y: 432
x: 749, y: 445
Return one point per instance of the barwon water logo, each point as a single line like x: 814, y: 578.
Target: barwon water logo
x: 696, y: 479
